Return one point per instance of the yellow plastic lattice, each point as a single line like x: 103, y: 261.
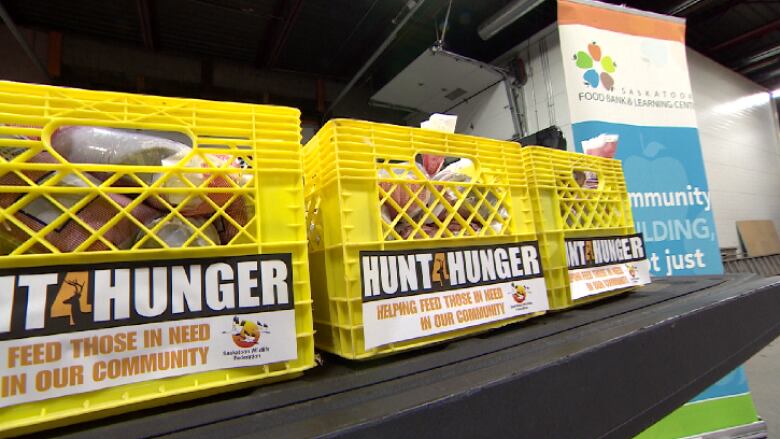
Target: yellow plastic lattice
x: 364, y: 191
x: 414, y: 207
x: 237, y: 192
x: 565, y: 206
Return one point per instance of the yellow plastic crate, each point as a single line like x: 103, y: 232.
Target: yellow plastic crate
x: 265, y: 138
x: 567, y: 209
x: 351, y: 170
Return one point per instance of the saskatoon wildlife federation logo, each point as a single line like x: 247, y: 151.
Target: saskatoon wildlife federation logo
x: 598, y: 69
x: 633, y: 271
x: 246, y: 333
x: 521, y: 292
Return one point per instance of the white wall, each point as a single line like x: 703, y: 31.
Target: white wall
x: 541, y: 100
x: 487, y: 115
x: 740, y: 145
x: 543, y: 97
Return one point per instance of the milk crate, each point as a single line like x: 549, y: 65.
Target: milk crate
x: 125, y: 284
x: 402, y: 256
x: 584, y: 225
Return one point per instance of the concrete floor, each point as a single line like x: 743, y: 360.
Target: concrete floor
x: 763, y: 372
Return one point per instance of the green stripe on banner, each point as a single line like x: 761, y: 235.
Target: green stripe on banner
x: 704, y: 416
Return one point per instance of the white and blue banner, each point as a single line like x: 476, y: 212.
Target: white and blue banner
x: 629, y: 97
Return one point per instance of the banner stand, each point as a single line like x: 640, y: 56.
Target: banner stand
x: 629, y: 97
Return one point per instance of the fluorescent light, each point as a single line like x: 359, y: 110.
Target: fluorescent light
x: 506, y: 16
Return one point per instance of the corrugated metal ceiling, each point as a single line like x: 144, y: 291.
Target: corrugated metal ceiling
x: 334, y: 37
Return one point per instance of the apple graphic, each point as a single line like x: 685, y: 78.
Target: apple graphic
x: 608, y: 64
x: 607, y: 81
x: 583, y: 60
x: 594, y: 50
x: 591, y: 78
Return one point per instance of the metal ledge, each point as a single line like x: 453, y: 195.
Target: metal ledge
x: 610, y: 369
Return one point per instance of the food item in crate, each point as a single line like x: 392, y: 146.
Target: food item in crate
x: 108, y: 146
x: 460, y: 171
x: 400, y: 195
x: 241, y: 210
x: 41, y: 211
x: 8, y: 152
x: 431, y: 230
x: 196, y: 205
x: 432, y: 163
x: 174, y: 232
x: 11, y: 237
x: 603, y: 145
x: 464, y: 171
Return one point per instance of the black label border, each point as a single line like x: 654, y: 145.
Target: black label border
x: 604, y: 238
x: 433, y: 250
x: 57, y: 326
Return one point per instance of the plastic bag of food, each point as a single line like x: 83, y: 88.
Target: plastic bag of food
x: 241, y: 210
x: 432, y: 163
x: 445, y: 123
x: 603, y: 145
x: 196, y: 205
x: 7, y: 152
x: 40, y: 212
x: 461, y: 171
x: 464, y: 171
x: 174, y: 233
x: 108, y: 146
x: 430, y: 230
x: 402, y: 196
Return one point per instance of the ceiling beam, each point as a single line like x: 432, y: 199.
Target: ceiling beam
x: 755, y: 33
x: 412, y: 6
x: 712, y: 12
x: 145, y: 23
x: 758, y: 57
x: 272, y: 29
x: 289, y: 23
x: 682, y: 7
x: 276, y: 36
x: 22, y: 41
x: 768, y: 62
x: 54, y: 54
x: 765, y: 77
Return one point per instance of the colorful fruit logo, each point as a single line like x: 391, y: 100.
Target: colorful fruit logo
x: 598, y: 69
x: 521, y: 292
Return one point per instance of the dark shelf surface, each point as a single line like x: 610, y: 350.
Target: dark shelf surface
x: 610, y: 369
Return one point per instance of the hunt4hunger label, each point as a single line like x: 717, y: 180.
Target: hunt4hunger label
x: 599, y: 265
x: 417, y: 293
x: 67, y: 330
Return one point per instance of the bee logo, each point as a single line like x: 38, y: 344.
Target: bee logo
x: 521, y: 292
x: 633, y: 271
x: 246, y: 333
